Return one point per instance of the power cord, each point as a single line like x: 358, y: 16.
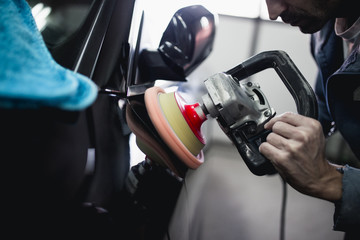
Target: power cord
x: 283, y: 210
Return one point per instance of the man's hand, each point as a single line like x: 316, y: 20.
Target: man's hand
x: 296, y: 147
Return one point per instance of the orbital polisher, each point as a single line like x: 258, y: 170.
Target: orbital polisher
x: 171, y: 128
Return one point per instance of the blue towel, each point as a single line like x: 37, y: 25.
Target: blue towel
x: 29, y: 76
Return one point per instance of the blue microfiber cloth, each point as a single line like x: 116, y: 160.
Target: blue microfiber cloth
x: 29, y: 76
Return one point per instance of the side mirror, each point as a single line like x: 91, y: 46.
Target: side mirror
x: 188, y: 39
x: 186, y: 42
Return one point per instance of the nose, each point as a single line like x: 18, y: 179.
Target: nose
x: 275, y: 8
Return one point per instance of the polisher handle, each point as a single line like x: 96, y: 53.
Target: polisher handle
x: 294, y: 81
x: 297, y: 85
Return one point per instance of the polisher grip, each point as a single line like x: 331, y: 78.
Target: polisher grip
x: 256, y: 162
x: 249, y: 151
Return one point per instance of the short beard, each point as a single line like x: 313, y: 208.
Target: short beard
x: 311, y: 23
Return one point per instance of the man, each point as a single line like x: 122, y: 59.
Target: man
x: 296, y: 146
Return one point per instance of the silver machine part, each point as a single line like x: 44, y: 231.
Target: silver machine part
x: 236, y: 103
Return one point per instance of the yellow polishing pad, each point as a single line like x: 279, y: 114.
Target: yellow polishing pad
x: 178, y: 123
x: 169, y: 122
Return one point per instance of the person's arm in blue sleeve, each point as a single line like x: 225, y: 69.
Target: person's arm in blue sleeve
x: 347, y: 209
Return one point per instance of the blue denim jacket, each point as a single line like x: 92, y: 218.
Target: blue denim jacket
x: 338, y: 91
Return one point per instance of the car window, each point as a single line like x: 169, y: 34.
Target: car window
x: 58, y: 20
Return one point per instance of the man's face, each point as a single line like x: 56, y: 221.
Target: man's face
x: 309, y: 15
